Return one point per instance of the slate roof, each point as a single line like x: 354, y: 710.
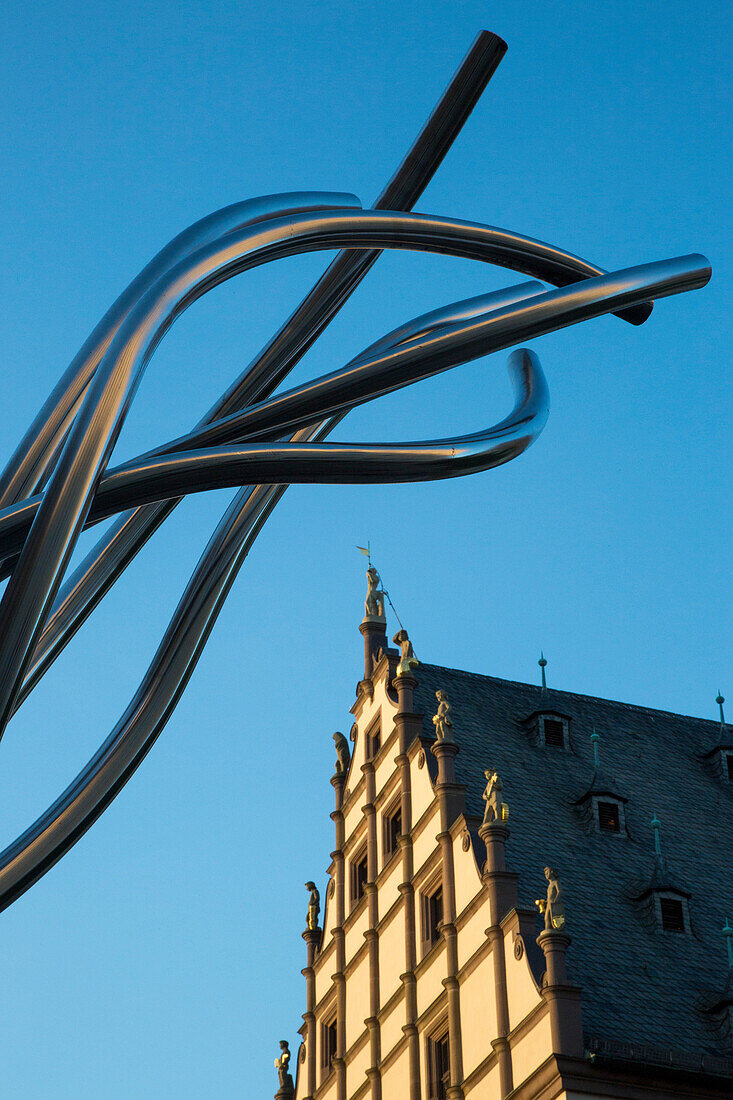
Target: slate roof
x: 640, y: 984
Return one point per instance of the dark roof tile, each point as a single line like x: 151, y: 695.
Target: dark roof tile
x: 639, y: 983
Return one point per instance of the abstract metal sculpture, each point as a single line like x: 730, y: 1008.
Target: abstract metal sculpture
x: 59, y: 480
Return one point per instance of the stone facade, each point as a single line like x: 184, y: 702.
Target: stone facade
x: 428, y: 978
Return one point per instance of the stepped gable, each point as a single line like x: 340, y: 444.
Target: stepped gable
x: 640, y: 984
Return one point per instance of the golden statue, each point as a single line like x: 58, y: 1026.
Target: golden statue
x: 314, y: 906
x: 374, y: 602
x: 441, y: 721
x: 495, y: 810
x: 551, y: 907
x: 408, y: 660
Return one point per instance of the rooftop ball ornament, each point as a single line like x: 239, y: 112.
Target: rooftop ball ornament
x: 59, y: 481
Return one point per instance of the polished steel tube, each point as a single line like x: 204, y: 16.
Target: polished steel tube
x: 450, y: 336
x: 60, y: 518
x: 39, y: 444
x: 59, y: 479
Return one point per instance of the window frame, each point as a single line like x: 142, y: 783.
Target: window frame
x: 356, y: 885
x: 373, y: 739
x: 437, y: 1044
x: 329, y: 1044
x: 430, y: 925
x: 610, y: 809
x: 609, y: 799
x: 390, y: 839
x: 556, y: 720
x: 672, y: 896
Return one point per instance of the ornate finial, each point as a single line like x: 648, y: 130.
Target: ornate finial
x: 720, y: 700
x: 543, y: 665
x: 594, y: 740
x: 657, y: 826
x: 284, y: 1077
x: 408, y: 660
x: 342, y: 753
x: 442, y: 720
x: 314, y: 907
x: 496, y: 810
x: 374, y: 602
x: 728, y: 933
x: 551, y: 907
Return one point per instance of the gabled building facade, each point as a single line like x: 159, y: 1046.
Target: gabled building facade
x: 433, y: 973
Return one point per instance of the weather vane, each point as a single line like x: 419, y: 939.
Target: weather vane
x: 59, y: 480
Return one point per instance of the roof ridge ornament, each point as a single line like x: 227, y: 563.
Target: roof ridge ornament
x: 595, y: 739
x: 543, y: 665
x: 374, y: 601
x: 728, y: 933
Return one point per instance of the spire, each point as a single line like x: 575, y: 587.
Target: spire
x: 663, y: 878
x: 724, y: 739
x: 728, y: 933
x: 373, y: 626
x: 657, y: 826
x: 543, y: 664
x: 594, y: 740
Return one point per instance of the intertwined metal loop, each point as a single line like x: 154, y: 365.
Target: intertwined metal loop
x: 59, y: 481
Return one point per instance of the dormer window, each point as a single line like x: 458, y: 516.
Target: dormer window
x: 609, y: 814
x: 671, y: 911
x: 609, y: 817
x: 672, y: 914
x: 720, y: 758
x: 549, y: 728
x: 554, y: 731
x: 602, y: 808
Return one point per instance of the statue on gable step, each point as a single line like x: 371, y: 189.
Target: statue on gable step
x: 285, y: 1079
x: 408, y: 660
x: 552, y: 907
x: 442, y: 720
x: 314, y: 906
x: 342, y: 753
x: 495, y: 810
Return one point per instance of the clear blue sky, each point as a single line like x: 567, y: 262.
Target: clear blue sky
x: 162, y: 957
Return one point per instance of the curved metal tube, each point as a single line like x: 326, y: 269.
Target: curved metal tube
x: 432, y: 343
x: 108, y: 559
x: 37, y: 447
x: 43, y: 844
x: 301, y: 329
x: 350, y: 463
x: 444, y: 339
x: 118, y: 547
x: 34, y: 852
x: 33, y: 586
x: 64, y: 454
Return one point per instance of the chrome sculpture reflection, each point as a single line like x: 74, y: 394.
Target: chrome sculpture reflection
x: 59, y: 480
